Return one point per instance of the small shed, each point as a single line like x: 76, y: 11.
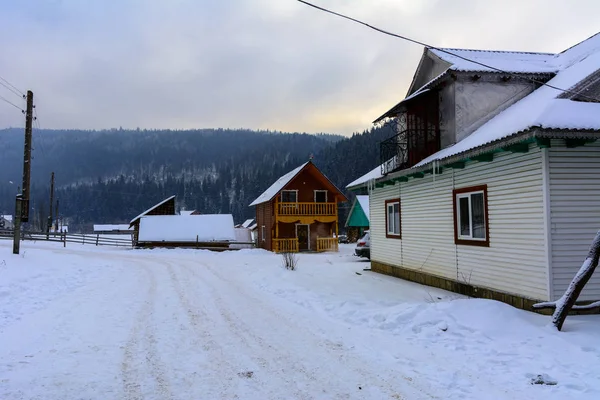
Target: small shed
x: 209, y: 231
x: 165, y: 207
x: 358, y: 218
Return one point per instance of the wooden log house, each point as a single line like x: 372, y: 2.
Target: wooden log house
x: 299, y: 212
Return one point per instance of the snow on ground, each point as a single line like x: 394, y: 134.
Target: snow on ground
x: 92, y: 322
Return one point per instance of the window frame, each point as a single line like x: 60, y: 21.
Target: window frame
x: 466, y: 192
x: 289, y: 190
x: 388, y: 234
x: 263, y: 229
x: 315, y: 194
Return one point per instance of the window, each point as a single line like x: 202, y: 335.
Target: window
x: 289, y: 196
x: 320, y: 196
x: 392, y: 218
x: 471, y: 226
x: 262, y: 233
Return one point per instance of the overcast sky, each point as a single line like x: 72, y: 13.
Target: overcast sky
x: 260, y: 64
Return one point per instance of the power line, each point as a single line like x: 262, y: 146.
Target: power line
x: 11, y: 85
x: 12, y: 104
x: 446, y: 51
x: 11, y: 89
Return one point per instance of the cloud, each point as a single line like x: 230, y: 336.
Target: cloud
x: 248, y: 63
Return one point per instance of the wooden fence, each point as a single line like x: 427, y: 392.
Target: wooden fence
x: 327, y: 244
x: 93, y: 239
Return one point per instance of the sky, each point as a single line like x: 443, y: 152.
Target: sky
x: 258, y: 64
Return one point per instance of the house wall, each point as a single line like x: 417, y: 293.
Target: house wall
x: 478, y: 102
x: 516, y: 260
x: 447, y: 115
x: 574, y: 189
x: 317, y: 229
x: 264, y: 216
x: 306, y: 184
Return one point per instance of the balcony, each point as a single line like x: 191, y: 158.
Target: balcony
x: 408, y: 148
x: 306, y: 209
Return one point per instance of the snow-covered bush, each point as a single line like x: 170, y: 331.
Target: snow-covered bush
x: 290, y: 260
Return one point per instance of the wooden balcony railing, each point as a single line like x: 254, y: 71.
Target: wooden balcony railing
x: 285, y: 245
x: 327, y: 244
x: 306, y: 209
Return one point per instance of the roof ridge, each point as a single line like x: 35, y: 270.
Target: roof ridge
x: 495, y: 51
x: 577, y: 44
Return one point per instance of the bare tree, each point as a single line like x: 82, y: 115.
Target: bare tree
x: 567, y: 301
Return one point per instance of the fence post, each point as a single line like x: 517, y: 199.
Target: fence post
x: 196, y: 241
x: 64, y: 240
x: 97, y: 238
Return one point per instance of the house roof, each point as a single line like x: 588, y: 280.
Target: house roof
x: 247, y: 223
x: 508, y: 61
x: 278, y: 185
x: 9, y: 218
x: 363, y: 200
x: 187, y: 228
x: 150, y: 209
x: 281, y: 183
x: 541, y: 109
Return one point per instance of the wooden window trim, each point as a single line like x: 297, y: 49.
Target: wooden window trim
x: 289, y: 190
x: 387, y: 234
x: 315, y: 194
x: 468, y: 242
x: 262, y: 233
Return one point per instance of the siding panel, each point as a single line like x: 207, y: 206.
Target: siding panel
x: 515, y: 262
x: 574, y: 213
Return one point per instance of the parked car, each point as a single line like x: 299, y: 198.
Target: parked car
x: 363, y: 246
x: 343, y: 239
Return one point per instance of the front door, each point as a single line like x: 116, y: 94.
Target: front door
x: 303, y: 235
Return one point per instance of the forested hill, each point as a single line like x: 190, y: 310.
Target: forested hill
x: 111, y: 176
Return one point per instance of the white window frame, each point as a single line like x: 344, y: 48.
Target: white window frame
x: 293, y: 190
x: 392, y: 220
x: 315, y: 195
x: 262, y: 233
x: 468, y: 196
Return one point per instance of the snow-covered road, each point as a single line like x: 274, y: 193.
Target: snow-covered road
x: 87, y: 323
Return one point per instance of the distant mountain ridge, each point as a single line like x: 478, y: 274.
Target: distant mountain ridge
x: 110, y: 176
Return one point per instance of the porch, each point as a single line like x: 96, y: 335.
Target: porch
x: 292, y: 245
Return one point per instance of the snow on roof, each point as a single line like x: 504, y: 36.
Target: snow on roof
x: 247, y: 223
x: 186, y: 212
x: 185, y: 228
x: 509, y: 61
x: 539, y: 109
x: 375, y: 173
x: 277, y: 186
x: 150, y: 209
x: 111, y: 227
x: 253, y: 226
x: 363, y: 200
x: 7, y: 217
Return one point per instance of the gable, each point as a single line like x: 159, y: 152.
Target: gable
x: 428, y: 69
x: 358, y: 217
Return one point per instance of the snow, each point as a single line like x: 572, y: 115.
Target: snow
x: 151, y: 208
x: 247, y: 223
x: 186, y: 212
x: 510, y: 61
x: 9, y: 218
x: 375, y: 173
x: 111, y: 227
x: 102, y: 323
x: 541, y: 108
x: 363, y: 200
x: 277, y: 186
x: 186, y: 228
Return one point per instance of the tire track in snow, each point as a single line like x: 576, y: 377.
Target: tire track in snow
x: 278, y: 351
x: 141, y: 350
x: 344, y: 356
x: 222, y: 370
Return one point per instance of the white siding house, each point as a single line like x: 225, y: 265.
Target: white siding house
x: 504, y: 207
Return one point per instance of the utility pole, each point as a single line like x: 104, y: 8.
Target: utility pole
x: 56, y: 223
x: 27, y: 158
x: 49, y: 224
x: 22, y: 200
